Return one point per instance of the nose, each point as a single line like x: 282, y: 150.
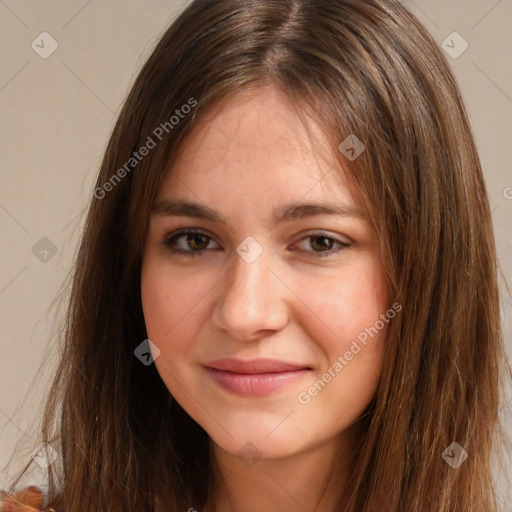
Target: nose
x: 252, y: 301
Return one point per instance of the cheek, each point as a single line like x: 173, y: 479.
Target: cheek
x: 170, y: 300
x: 349, y: 302
x: 172, y: 307
x: 353, y: 308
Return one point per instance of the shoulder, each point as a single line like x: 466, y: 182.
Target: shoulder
x: 31, y: 499
x: 28, y: 499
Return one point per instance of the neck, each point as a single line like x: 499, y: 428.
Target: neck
x: 313, y: 479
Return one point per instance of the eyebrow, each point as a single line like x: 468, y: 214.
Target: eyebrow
x: 284, y: 213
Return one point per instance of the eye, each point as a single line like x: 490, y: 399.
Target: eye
x: 192, y: 242
x: 322, y: 244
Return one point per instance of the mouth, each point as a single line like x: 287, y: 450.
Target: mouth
x: 256, y: 377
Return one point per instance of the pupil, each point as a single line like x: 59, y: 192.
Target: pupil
x: 327, y: 241
x: 194, y: 238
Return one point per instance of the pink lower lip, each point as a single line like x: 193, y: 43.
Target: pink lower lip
x: 255, y: 384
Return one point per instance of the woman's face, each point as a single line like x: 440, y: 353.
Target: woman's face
x: 264, y: 277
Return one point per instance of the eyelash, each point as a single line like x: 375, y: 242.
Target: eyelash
x: 170, y: 243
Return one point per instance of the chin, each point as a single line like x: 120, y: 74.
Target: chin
x: 255, y: 448
x: 258, y: 436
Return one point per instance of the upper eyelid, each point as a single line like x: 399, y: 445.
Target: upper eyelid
x: 184, y: 231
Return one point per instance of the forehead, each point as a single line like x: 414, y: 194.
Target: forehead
x: 257, y: 144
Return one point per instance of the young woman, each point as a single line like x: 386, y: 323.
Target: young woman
x: 286, y: 293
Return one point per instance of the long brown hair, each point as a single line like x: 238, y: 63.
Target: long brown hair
x: 359, y: 67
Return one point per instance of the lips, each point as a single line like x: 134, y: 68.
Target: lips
x: 254, y: 365
x: 255, y: 377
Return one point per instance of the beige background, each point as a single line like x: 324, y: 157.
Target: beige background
x: 56, y: 115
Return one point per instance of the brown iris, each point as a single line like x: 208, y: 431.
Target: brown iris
x: 195, y: 241
x: 326, y: 243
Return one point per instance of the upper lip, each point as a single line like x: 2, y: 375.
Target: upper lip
x: 253, y: 365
